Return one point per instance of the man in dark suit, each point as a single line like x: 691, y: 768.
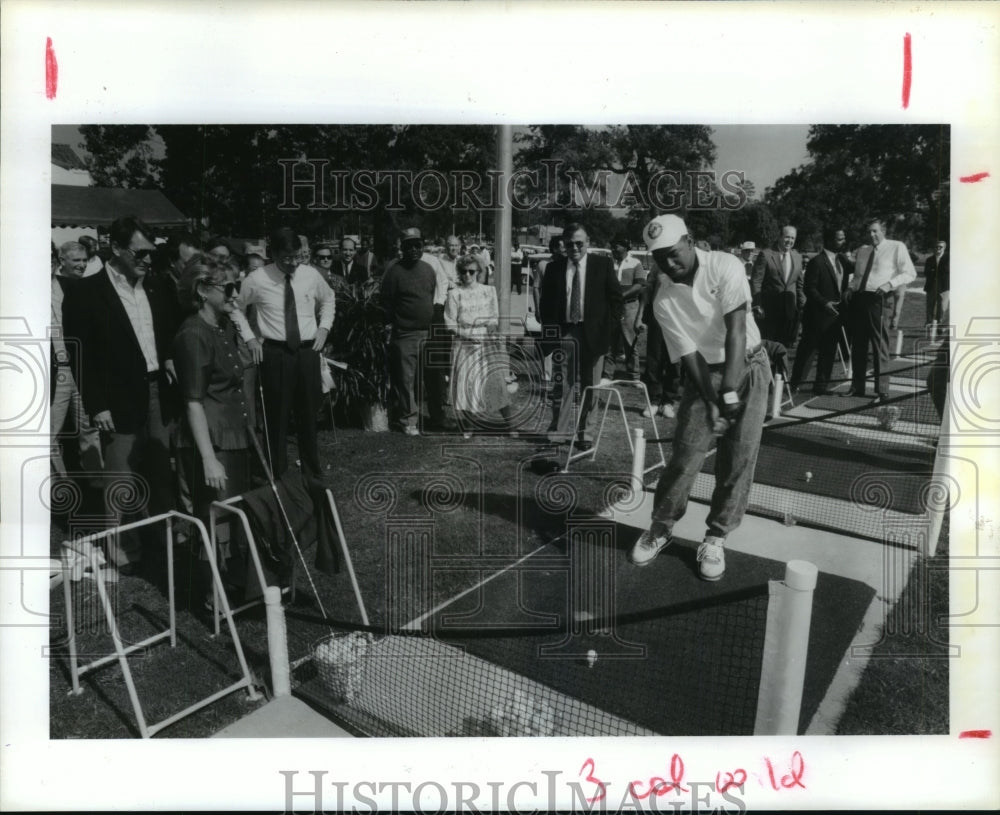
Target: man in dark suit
x: 822, y: 323
x: 937, y: 282
x: 125, y: 322
x: 581, y: 299
x: 777, y: 290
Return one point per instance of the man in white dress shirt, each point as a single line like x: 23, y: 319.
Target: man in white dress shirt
x: 879, y: 270
x: 287, y: 296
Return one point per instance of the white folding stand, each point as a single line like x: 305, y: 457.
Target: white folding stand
x: 84, y: 548
x: 229, y: 505
x: 612, y: 389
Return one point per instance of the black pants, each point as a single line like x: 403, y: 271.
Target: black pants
x: 817, y: 338
x: 662, y: 376
x: 291, y: 382
x: 869, y: 315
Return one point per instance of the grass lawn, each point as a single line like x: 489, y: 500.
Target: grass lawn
x: 484, y: 499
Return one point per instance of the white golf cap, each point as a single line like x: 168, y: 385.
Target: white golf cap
x: 748, y: 245
x: 663, y: 231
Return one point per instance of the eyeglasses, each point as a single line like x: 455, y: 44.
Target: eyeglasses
x: 324, y: 257
x: 227, y: 289
x: 467, y: 271
x: 141, y: 254
x: 577, y: 244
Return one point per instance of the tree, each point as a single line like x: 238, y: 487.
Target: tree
x: 856, y: 172
x: 636, y: 157
x: 121, y: 155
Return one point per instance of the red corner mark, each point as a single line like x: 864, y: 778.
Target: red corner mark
x: 972, y: 179
x: 975, y: 734
x: 51, y: 70
x: 907, y: 70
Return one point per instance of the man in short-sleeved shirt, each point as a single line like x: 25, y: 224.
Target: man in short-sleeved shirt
x: 703, y: 307
x: 632, y: 278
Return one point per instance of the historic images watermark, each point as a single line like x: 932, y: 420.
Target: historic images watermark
x: 316, y: 792
x: 311, y: 183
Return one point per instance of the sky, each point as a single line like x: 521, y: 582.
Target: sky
x: 763, y: 152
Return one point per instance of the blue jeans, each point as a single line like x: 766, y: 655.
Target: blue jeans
x: 735, y: 455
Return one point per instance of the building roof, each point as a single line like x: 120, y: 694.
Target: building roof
x: 65, y: 156
x: 99, y: 206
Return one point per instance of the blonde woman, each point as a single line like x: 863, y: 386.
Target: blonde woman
x: 480, y: 364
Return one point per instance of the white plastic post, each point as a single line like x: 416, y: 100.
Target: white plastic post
x: 899, y: 343
x: 779, y: 388
x: 938, y: 497
x: 785, y: 650
x: 277, y: 643
x: 638, y: 461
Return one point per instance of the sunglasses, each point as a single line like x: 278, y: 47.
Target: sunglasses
x: 467, y: 271
x: 141, y: 254
x: 228, y: 289
x: 324, y: 257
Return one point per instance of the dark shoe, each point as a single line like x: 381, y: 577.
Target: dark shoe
x: 821, y: 391
x: 583, y: 445
x: 853, y: 392
x: 882, y: 397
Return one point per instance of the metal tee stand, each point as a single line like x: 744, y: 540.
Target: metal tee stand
x: 229, y: 505
x: 78, y: 554
x: 612, y: 388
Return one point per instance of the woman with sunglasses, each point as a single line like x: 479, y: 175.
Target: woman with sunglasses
x: 480, y: 364
x: 213, y: 446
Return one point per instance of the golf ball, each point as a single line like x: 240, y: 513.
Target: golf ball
x: 809, y: 476
x: 591, y: 658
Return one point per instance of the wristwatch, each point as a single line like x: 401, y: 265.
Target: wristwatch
x: 730, y: 398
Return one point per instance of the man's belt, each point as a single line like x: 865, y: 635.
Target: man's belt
x: 282, y: 344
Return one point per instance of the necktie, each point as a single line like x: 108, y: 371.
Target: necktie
x: 292, y: 336
x: 786, y: 264
x: 838, y: 271
x: 868, y: 271
x: 575, y: 311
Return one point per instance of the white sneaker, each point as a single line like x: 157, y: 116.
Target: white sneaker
x: 648, y: 547
x: 712, y: 558
x: 668, y: 411
x: 411, y: 430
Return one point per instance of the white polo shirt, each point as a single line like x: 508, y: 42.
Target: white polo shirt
x: 692, y: 317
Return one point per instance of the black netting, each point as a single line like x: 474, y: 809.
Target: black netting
x: 688, y: 670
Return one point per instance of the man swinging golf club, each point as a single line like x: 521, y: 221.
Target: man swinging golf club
x: 703, y: 309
